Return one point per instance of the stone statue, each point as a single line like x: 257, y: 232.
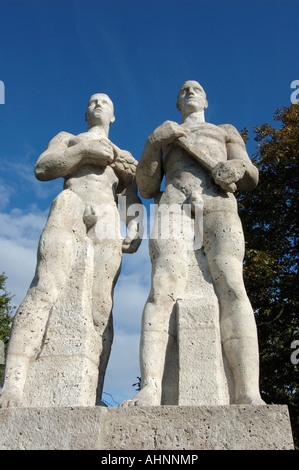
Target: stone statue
x: 80, y: 250
x: 203, y: 165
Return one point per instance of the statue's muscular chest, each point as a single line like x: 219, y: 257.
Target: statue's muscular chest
x: 208, y: 138
x: 81, y: 137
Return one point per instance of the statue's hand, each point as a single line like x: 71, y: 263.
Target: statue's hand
x: 227, y: 174
x: 98, y: 150
x: 132, y: 241
x: 167, y: 133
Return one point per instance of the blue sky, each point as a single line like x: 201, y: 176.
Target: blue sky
x: 55, y: 54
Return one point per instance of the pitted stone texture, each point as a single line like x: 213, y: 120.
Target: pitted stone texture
x: 66, y: 371
x: 62, y: 332
x: 233, y: 427
x: 202, y: 164
x: 202, y: 374
x: 197, y: 372
x: 55, y: 428
x: 205, y: 377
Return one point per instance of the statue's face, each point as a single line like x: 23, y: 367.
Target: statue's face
x: 99, y: 110
x: 191, y: 97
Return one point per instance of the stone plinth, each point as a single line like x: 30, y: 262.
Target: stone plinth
x: 66, y: 370
x: 202, y: 375
x: 232, y: 427
x: 197, y: 372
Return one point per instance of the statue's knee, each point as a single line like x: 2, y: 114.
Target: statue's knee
x: 101, y: 314
x: 230, y: 290
x: 236, y: 292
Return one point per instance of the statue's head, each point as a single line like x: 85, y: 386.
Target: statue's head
x: 191, y: 98
x: 100, y: 110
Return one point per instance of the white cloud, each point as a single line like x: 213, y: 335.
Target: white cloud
x: 19, y: 171
x: 5, y: 193
x: 28, y: 182
x: 19, y: 235
x: 18, y: 263
x: 24, y: 228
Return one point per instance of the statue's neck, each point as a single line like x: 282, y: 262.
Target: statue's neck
x: 193, y: 119
x: 99, y: 131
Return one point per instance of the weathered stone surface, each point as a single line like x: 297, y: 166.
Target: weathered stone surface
x: 205, y: 377
x: 202, y: 377
x: 66, y: 371
x: 196, y: 370
x: 232, y: 427
x: 203, y: 164
x: 62, y: 332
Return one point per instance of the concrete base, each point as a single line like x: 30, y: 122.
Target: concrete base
x: 232, y: 427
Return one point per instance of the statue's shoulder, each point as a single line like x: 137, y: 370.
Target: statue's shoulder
x: 60, y: 138
x: 231, y: 133
x: 166, y: 124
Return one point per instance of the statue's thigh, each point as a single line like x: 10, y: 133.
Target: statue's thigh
x: 169, y: 267
x: 223, y: 236
x: 59, y: 240
x: 107, y: 263
x: 224, y: 248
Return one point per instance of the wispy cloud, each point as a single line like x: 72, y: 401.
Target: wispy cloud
x: 19, y: 235
x: 5, y: 193
x: 23, y: 228
x: 18, y: 172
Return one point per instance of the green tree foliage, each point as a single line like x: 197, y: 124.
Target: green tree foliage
x: 6, y: 311
x: 269, y: 215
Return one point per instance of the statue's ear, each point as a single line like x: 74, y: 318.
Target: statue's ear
x: 112, y: 119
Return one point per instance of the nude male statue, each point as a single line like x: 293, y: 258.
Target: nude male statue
x: 95, y: 171
x: 203, y: 164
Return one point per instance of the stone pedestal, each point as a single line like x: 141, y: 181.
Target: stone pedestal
x: 203, y: 378
x: 196, y: 370
x: 66, y: 371
x: 232, y: 427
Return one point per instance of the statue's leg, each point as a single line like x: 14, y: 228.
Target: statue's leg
x: 55, y: 252
x: 224, y: 248
x: 169, y: 270
x: 103, y: 228
x: 107, y: 263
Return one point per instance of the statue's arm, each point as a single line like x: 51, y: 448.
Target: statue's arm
x: 124, y: 165
x: 131, y: 208
x: 149, y: 172
x: 60, y: 159
x: 238, y: 157
x: 236, y: 150
x: 132, y: 215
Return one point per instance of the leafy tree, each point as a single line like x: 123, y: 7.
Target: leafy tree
x: 5, y: 315
x: 269, y: 215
